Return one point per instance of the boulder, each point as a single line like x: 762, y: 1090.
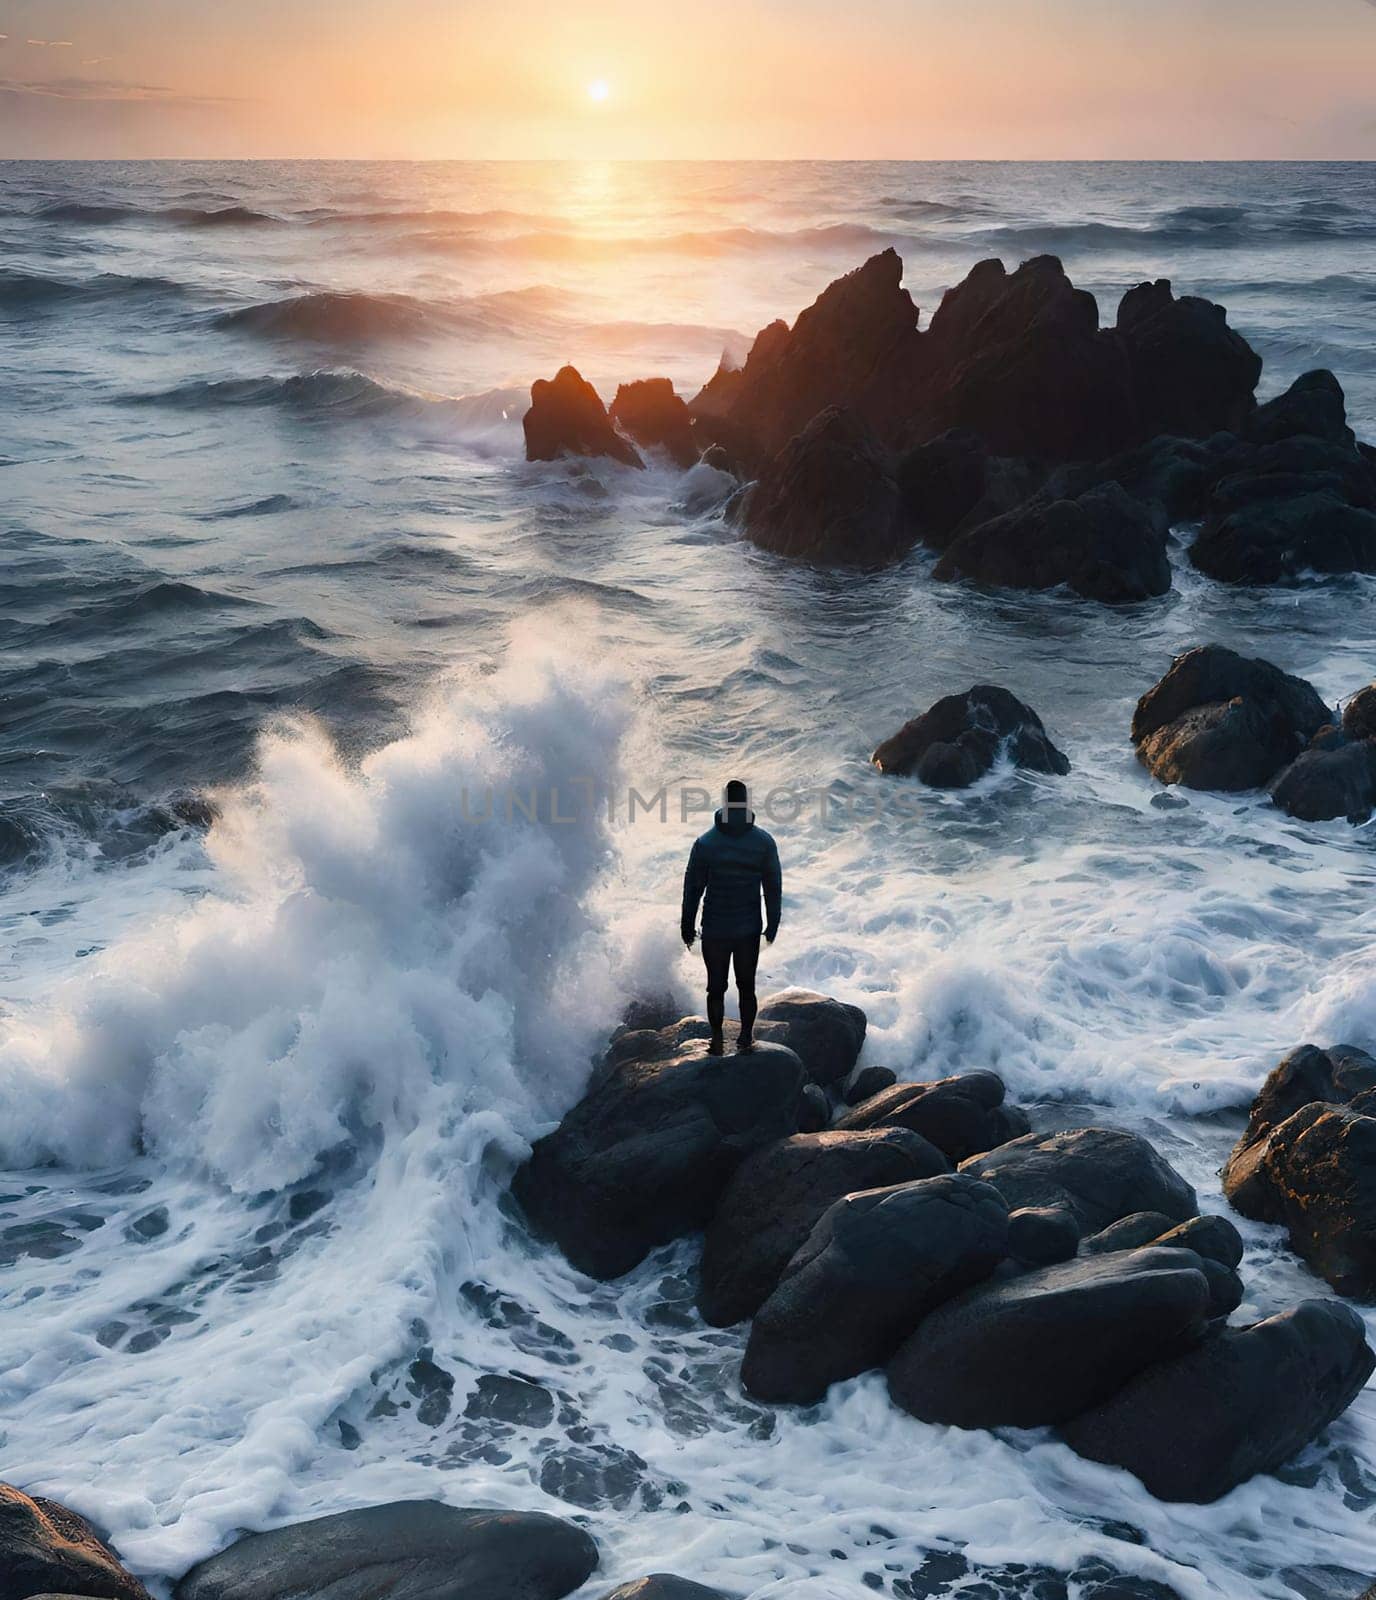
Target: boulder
x: 957, y: 740
x: 814, y: 1109
x: 1040, y: 1236
x: 1019, y: 359
x: 952, y: 482
x: 1191, y: 374
x: 1218, y: 720
x: 645, y: 1154
x: 1307, y: 1161
x: 856, y: 347
x: 664, y: 1586
x: 1099, y: 1175
x: 1044, y: 1346
x: 867, y: 1082
x: 1170, y: 474
x: 567, y: 418
x: 777, y: 1197
x: 825, y: 1034
x: 1275, y: 540
x: 417, y: 1548
x: 1359, y: 714
x: 961, y: 1116
x: 649, y: 412
x: 1128, y: 1233
x: 45, y: 1548
x: 875, y: 1264
x: 1313, y: 407
x: 1103, y: 545
x: 828, y: 496
x: 1244, y: 1401
x: 1334, y: 777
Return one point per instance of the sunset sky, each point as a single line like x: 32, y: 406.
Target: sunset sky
x: 658, y: 78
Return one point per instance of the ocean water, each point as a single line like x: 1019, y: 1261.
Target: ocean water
x: 268, y: 540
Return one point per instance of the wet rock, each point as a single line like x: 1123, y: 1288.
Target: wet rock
x: 1103, y: 545
x: 1277, y: 539
x: 778, y: 1195
x: 1222, y: 721
x: 1195, y: 1426
x: 1100, y: 1175
x: 1313, y: 407
x: 1334, y: 777
x: 958, y: 739
x: 46, y: 1548
x: 856, y: 347
x: 510, y: 1399
x: 1040, y: 1236
x: 1214, y: 1238
x: 1045, y: 1346
x: 1359, y: 714
x: 814, y: 1109
x: 961, y: 1116
x: 875, y: 1264
x: 643, y: 1157
x: 567, y: 418
x: 421, y: 1548
x: 1307, y: 1161
x: 825, y: 1034
x: 593, y: 1476
x: 1192, y: 374
x: 828, y: 496
x: 664, y: 1586
x: 868, y: 1082
x: 649, y: 412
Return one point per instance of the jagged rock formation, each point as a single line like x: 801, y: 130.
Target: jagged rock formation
x: 567, y: 418
x: 956, y: 741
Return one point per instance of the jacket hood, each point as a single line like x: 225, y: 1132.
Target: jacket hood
x: 735, y: 823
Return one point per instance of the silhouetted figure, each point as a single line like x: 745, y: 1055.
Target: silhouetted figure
x: 733, y: 864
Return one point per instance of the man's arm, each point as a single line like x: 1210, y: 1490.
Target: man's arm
x: 694, y: 882
x: 773, y: 880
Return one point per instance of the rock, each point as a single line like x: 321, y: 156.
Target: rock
x: 1099, y: 1175
x: 874, y: 1265
x: 1040, y: 1236
x: 1359, y: 714
x: 957, y: 740
x: 1174, y: 476
x: 1040, y: 1348
x: 1218, y: 720
x: 856, y: 347
x: 649, y: 412
x: 1193, y: 1427
x: 644, y: 1156
x: 419, y: 1548
x: 961, y: 1116
x: 45, y: 1548
x: 866, y: 1083
x: 1312, y: 407
x: 1019, y: 359
x: 814, y: 1109
x: 1192, y: 374
x: 567, y: 418
x: 1128, y: 1233
x: 1307, y: 1160
x: 664, y: 1586
x: 1103, y: 545
x: 1288, y: 537
x: 1328, y: 780
x: 941, y: 482
x: 778, y: 1195
x: 1214, y: 1238
x: 828, y: 496
x: 825, y: 1034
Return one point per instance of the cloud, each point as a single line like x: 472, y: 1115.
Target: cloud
x: 52, y: 44
x: 102, y: 89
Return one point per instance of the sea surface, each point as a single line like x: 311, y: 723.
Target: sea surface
x: 269, y: 552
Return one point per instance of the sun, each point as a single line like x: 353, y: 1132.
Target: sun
x: 599, y: 90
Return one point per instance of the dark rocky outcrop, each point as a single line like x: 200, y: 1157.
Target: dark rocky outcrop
x: 1040, y: 1236
x: 866, y: 1083
x: 1242, y: 1402
x: 961, y: 1116
x: 828, y: 496
x: 1334, y: 777
x: 1044, y: 1346
x: 1218, y: 720
x: 664, y: 1586
x: 1359, y: 714
x: 1192, y: 375
x: 958, y: 739
x: 778, y: 1195
x: 567, y: 418
x: 417, y: 1548
x: 856, y: 347
x: 825, y: 1034
x: 1307, y: 1161
x: 649, y: 412
x: 644, y: 1156
x: 45, y: 1548
x: 874, y: 1265
x: 1103, y: 545
x: 1099, y: 1175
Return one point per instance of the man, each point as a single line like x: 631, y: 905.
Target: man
x: 733, y: 863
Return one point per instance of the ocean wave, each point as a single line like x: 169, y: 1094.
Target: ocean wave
x: 564, y: 244
x: 348, y: 316
x: 92, y: 214
x: 1214, y: 226
x: 20, y: 289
